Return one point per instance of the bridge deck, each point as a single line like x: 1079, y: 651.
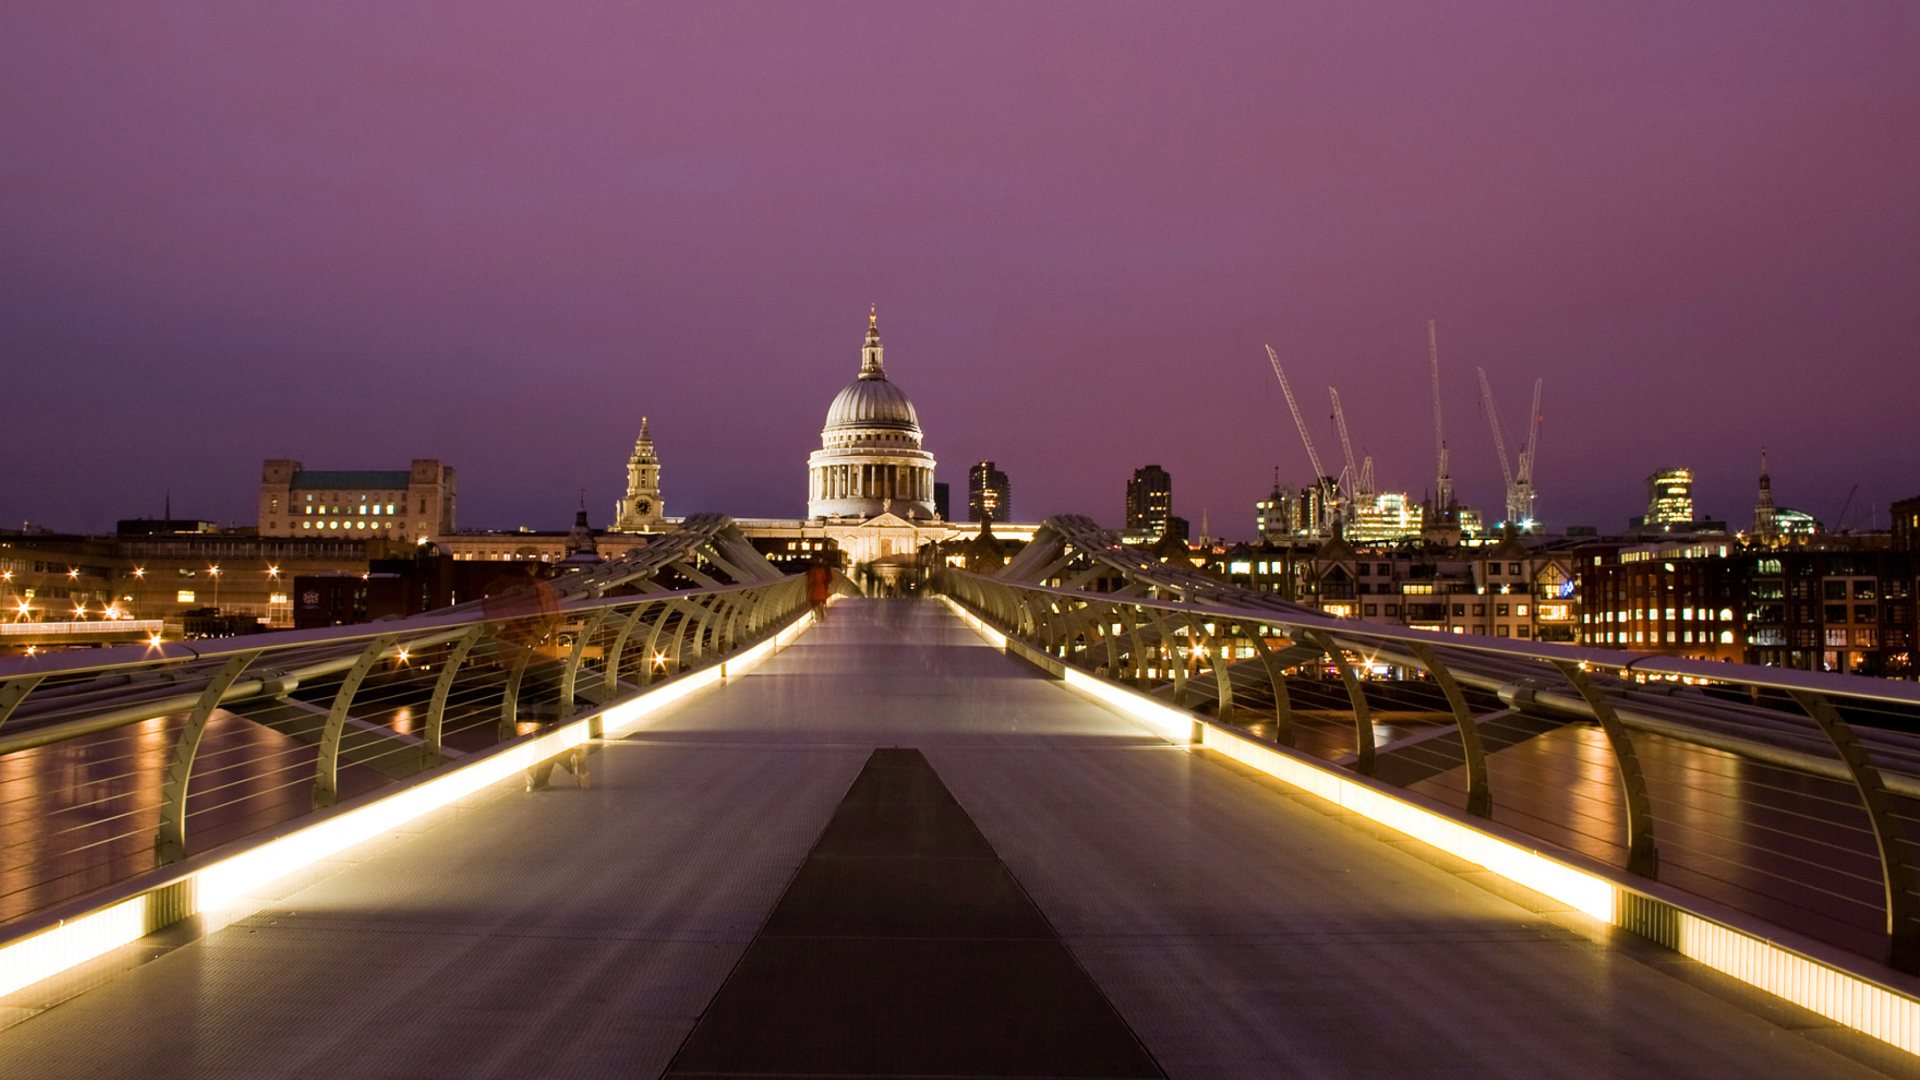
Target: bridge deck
x: 1237, y: 930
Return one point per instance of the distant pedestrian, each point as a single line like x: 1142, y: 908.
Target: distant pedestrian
x: 819, y: 587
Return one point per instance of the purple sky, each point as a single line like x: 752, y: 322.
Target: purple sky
x: 497, y: 233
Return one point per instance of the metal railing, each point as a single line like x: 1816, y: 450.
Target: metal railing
x: 1792, y: 796
x: 114, y: 760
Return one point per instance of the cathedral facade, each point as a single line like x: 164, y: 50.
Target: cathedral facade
x: 870, y: 463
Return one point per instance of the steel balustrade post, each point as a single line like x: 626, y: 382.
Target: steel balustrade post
x: 611, y: 665
x: 676, y: 643
x: 14, y: 691
x: 1356, y: 696
x: 1138, y: 658
x: 1643, y: 857
x: 1896, y: 867
x: 1282, y: 701
x: 1175, y: 662
x: 170, y: 845
x: 1110, y: 630
x: 430, y: 749
x: 509, y: 725
x: 326, y: 780
x: 1479, y: 796
x: 570, y: 673
x: 652, y: 660
x: 1223, y: 679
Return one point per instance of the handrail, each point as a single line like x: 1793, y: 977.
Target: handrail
x: 1721, y: 773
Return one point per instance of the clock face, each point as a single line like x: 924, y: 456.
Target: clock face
x: 643, y: 506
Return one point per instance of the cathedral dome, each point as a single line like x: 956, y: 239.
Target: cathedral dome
x: 873, y: 402
x: 870, y: 461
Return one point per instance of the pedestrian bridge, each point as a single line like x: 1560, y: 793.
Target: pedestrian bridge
x: 895, y: 843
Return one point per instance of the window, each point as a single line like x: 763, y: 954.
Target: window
x: 1836, y: 613
x: 1479, y: 609
x: 1520, y: 610
x: 1834, y: 590
x: 1863, y: 590
x: 1524, y: 631
x: 1513, y: 569
x: 1864, y: 613
x: 1459, y: 611
x: 1500, y: 631
x: 1393, y: 609
x: 184, y: 596
x: 1726, y: 637
x: 1837, y: 638
x: 1365, y: 568
x: 1370, y: 609
x: 1500, y: 610
x: 1385, y: 570
x: 1863, y: 637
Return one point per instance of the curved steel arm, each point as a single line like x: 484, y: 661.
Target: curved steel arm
x: 326, y: 789
x: 1356, y: 695
x: 170, y: 846
x: 1479, y: 798
x: 1642, y: 857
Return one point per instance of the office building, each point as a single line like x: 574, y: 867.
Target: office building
x: 988, y: 498
x: 1149, y: 501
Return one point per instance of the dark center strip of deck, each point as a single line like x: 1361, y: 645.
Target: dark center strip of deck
x: 903, y: 947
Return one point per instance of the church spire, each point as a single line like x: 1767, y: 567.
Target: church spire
x: 870, y: 364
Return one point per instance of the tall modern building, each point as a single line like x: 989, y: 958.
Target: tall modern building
x: 1669, y: 500
x: 870, y: 461
x: 1149, y: 501
x: 415, y: 503
x: 987, y: 494
x: 640, y: 508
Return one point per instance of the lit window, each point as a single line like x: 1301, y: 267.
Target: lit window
x: 1520, y: 610
x: 1726, y: 637
x: 184, y: 596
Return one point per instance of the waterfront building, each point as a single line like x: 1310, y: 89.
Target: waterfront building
x: 414, y: 504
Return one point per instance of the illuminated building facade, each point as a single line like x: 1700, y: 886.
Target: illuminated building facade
x: 1149, y: 501
x: 411, y: 504
x: 988, y: 496
x: 641, y: 509
x: 870, y: 462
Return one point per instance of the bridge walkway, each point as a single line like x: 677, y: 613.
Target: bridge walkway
x: 1236, y: 930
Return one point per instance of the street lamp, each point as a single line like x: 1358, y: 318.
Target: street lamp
x: 214, y: 572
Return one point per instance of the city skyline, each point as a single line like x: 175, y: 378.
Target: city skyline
x: 198, y: 253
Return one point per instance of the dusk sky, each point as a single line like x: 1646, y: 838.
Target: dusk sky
x: 498, y: 233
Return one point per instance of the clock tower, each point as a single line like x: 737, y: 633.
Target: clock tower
x: 640, y: 510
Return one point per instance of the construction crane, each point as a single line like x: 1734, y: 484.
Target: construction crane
x: 1306, y: 437
x: 1443, y: 487
x: 1525, y: 479
x: 1520, y: 486
x: 1358, y: 478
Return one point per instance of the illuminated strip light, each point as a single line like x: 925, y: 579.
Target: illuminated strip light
x: 230, y: 881
x: 1842, y: 996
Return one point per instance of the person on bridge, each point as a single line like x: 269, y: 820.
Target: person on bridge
x: 819, y: 587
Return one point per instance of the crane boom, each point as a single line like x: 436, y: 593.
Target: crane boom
x: 1493, y: 419
x: 1313, y: 455
x: 1443, y: 494
x: 1346, y: 445
x: 1533, y: 438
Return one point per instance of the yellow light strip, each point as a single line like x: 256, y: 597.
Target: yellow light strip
x: 1842, y: 996
x: 233, y: 880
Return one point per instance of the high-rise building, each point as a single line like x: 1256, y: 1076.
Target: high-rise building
x: 1149, y: 501
x: 1669, y: 503
x: 988, y: 497
x: 641, y: 508
x: 940, y: 503
x: 396, y: 504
